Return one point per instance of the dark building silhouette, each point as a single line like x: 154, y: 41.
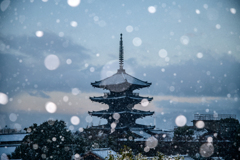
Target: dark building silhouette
x: 121, y: 100
x: 217, y: 122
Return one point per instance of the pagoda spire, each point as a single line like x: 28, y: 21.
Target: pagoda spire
x: 121, y: 53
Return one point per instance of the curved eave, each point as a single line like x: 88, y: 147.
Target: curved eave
x: 143, y: 126
x: 143, y: 114
x: 102, y: 99
x: 140, y: 98
x: 148, y: 127
x: 120, y: 128
x: 95, y: 84
x: 103, y: 114
x: 101, y: 127
x: 135, y: 86
x: 107, y: 127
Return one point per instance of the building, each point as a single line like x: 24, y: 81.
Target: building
x: 8, y: 142
x: 216, y: 122
x: 7, y: 130
x: 121, y: 115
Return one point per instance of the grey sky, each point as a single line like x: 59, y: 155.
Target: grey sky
x: 189, y: 50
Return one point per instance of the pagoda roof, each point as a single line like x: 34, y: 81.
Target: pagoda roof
x: 131, y: 127
x: 140, y: 132
x: 134, y: 112
x: 120, y: 82
x: 109, y: 98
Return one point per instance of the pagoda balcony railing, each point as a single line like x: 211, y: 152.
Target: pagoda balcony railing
x: 136, y: 94
x: 106, y: 94
x: 213, y: 116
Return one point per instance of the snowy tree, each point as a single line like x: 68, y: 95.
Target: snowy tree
x: 182, y: 136
x: 48, y: 140
x: 230, y: 132
x: 183, y: 133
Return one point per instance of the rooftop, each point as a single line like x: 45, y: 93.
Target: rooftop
x: 213, y: 116
x: 103, y: 152
x: 120, y: 82
x: 11, y: 137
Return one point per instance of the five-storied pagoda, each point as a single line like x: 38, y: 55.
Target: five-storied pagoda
x: 121, y: 99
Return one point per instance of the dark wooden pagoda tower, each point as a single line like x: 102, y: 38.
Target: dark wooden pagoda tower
x: 121, y: 100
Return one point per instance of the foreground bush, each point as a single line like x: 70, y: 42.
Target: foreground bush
x: 127, y: 154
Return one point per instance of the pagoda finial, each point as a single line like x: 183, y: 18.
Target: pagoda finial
x: 121, y: 53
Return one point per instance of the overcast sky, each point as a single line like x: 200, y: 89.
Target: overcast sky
x: 50, y: 51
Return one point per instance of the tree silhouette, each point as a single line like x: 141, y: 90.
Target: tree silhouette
x: 183, y: 133
x: 48, y: 140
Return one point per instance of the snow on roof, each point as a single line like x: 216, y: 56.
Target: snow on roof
x: 169, y: 133
x: 122, y: 139
x: 140, y: 139
x: 103, y: 152
x: 119, y: 97
x: 217, y: 158
x: 167, y: 130
x: 141, y: 133
x: 186, y: 157
x: 135, y: 140
x: 6, y: 150
x: 162, y: 131
x: 12, y: 137
x: 199, y: 133
x: 121, y: 77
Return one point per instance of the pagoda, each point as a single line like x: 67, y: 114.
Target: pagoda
x: 121, y: 99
